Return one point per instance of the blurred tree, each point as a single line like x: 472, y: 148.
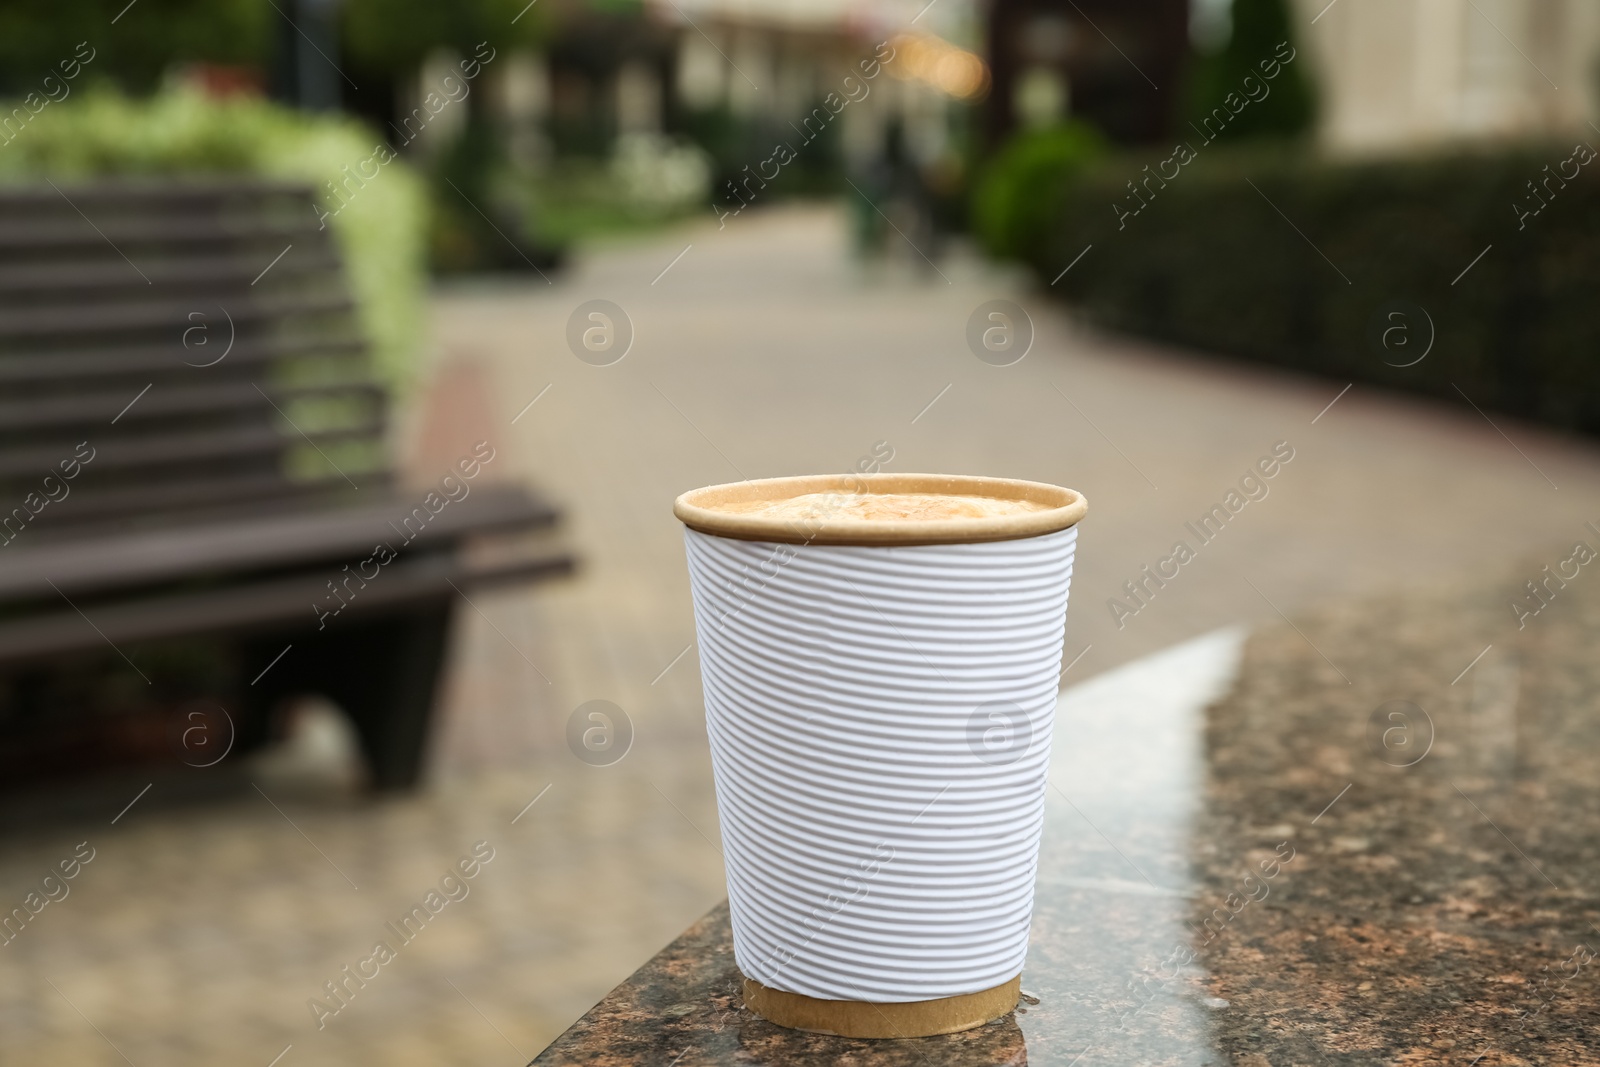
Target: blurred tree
x: 134, y: 44
x: 1259, y: 28
x: 395, y: 36
x: 474, y: 224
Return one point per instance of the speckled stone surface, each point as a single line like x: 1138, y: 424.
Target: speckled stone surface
x: 683, y: 1007
x: 1326, y: 884
x: 1442, y: 912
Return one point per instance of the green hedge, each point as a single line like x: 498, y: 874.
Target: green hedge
x: 1210, y: 262
x: 381, y: 231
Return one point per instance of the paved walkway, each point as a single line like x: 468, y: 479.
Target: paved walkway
x: 764, y: 351
x: 211, y: 914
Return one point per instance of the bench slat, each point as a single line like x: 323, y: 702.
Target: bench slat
x: 183, y: 449
x: 73, y: 279
x: 171, y: 315
x: 95, y: 564
x: 258, y: 605
x: 179, y: 231
x: 173, y: 358
x: 200, y: 499
x: 223, y: 400
x: 175, y: 192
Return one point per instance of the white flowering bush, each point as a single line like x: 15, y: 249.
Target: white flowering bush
x: 659, y: 175
x: 648, y: 180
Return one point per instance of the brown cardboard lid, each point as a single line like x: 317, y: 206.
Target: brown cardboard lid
x: 698, y: 509
x: 855, y: 1018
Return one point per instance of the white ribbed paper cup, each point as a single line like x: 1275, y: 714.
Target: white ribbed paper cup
x: 879, y: 699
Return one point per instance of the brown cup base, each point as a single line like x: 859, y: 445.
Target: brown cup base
x: 854, y: 1018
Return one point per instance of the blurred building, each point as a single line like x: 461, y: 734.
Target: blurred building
x: 777, y: 60
x: 1399, y: 74
x: 761, y: 66
x: 1115, y: 63
x: 607, y: 73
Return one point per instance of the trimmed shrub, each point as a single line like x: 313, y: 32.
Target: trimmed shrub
x: 1351, y: 270
x: 1018, y: 199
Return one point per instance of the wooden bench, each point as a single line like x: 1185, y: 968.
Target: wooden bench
x: 192, y: 456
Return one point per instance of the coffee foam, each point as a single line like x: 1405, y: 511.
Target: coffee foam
x: 880, y: 507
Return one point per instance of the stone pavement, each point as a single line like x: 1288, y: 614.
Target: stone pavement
x: 214, y: 910
x: 764, y: 351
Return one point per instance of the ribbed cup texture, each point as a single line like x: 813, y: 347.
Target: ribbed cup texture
x: 880, y: 725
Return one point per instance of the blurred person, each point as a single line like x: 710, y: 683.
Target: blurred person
x: 901, y: 206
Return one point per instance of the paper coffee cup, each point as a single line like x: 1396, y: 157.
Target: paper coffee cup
x: 879, y: 698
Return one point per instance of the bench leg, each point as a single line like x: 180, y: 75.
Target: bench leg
x: 394, y: 726
x: 385, y: 675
